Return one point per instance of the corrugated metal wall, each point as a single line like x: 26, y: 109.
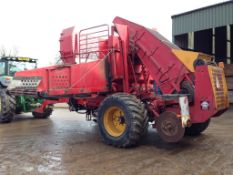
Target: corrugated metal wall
x: 200, y: 19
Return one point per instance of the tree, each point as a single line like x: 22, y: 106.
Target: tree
x: 2, y: 52
x: 11, y: 53
x: 57, y: 59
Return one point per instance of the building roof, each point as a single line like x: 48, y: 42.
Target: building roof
x: 212, y: 16
x: 202, y: 8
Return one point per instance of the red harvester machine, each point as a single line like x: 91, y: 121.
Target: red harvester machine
x: 127, y: 76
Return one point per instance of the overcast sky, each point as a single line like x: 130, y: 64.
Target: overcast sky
x: 33, y: 27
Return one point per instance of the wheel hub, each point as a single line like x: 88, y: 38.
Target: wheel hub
x: 121, y: 120
x: 114, y: 121
x: 169, y: 127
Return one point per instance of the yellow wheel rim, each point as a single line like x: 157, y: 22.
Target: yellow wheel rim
x: 114, y: 121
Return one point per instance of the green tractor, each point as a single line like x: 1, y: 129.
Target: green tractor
x: 11, y: 105
x: 10, y: 65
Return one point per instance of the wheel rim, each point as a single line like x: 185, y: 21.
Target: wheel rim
x: 169, y: 127
x: 114, y: 121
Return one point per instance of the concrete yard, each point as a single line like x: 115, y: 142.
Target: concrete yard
x: 67, y: 144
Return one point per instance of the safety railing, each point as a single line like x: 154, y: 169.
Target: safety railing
x: 89, y: 42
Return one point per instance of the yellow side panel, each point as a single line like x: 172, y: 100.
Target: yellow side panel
x: 219, y: 86
x: 188, y: 57
x: 227, y: 101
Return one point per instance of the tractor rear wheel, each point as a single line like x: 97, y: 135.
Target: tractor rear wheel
x: 47, y: 112
x: 122, y: 120
x: 197, y: 128
x: 7, y: 107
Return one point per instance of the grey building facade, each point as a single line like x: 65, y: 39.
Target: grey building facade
x: 208, y: 29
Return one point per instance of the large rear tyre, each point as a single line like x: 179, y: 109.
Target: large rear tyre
x: 122, y: 120
x: 18, y: 110
x: 145, y: 123
x: 46, y: 114
x: 197, y: 128
x: 7, y: 107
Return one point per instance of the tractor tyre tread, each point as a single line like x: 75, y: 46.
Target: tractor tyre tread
x: 8, y: 106
x: 137, y: 117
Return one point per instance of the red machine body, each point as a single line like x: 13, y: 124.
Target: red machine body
x: 127, y: 58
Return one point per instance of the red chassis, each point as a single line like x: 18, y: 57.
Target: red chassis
x: 131, y: 59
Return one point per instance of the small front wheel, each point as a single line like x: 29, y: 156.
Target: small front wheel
x: 44, y: 115
x: 169, y: 127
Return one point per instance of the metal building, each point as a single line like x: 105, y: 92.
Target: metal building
x: 208, y: 29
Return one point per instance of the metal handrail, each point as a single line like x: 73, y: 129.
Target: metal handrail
x: 92, y: 42
x: 86, y: 43
x: 86, y: 34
